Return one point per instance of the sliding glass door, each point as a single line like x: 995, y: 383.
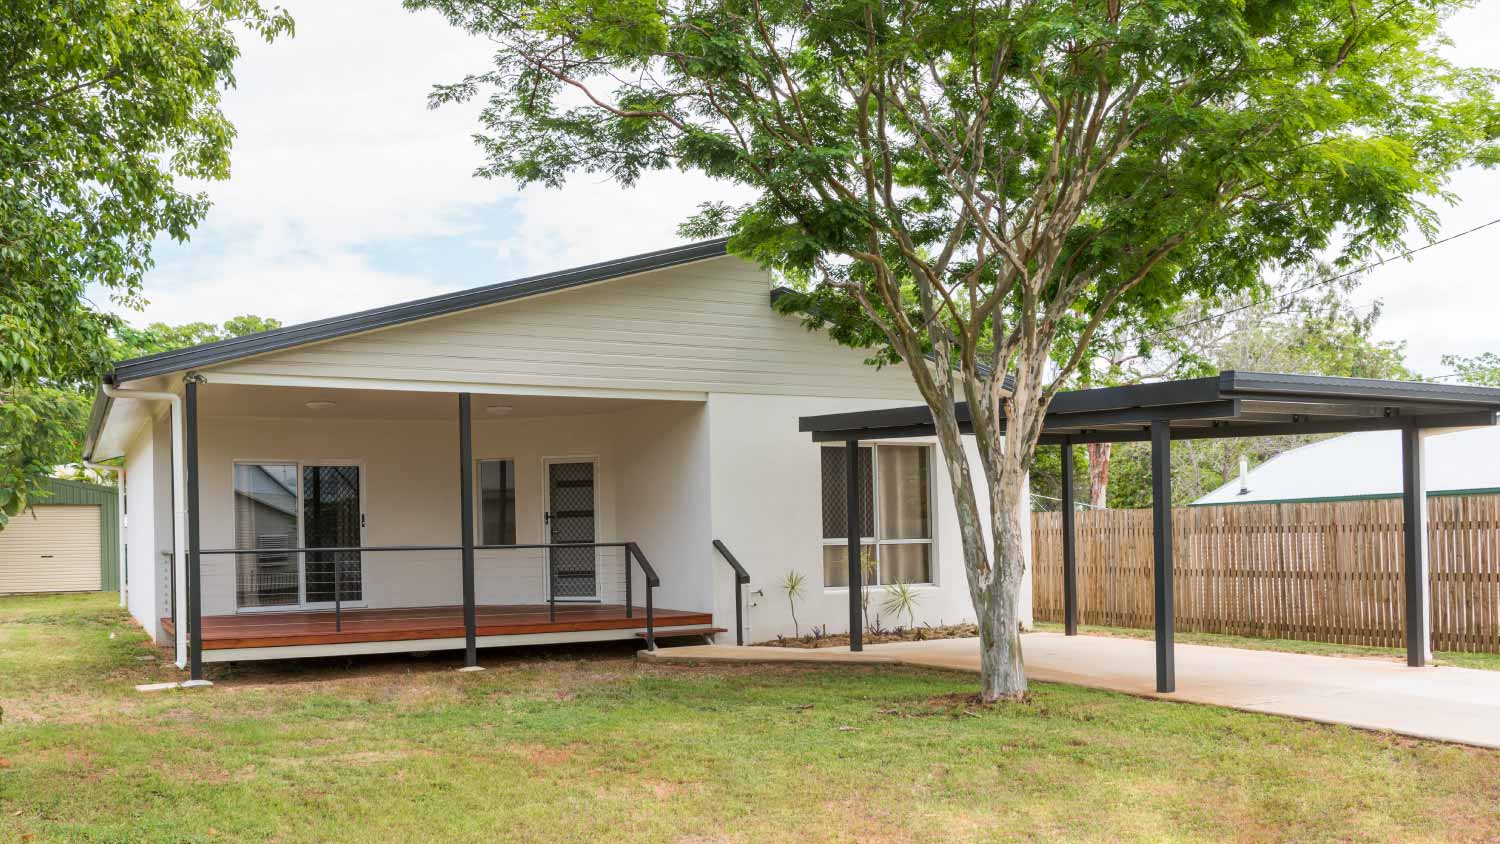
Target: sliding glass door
x: 280, y: 506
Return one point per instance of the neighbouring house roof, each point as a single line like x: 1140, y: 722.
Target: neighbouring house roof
x: 1368, y: 465
x: 1231, y: 404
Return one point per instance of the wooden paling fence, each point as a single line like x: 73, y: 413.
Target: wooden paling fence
x: 1328, y: 572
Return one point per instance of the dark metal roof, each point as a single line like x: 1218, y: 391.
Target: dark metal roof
x: 1231, y: 404
x: 447, y: 303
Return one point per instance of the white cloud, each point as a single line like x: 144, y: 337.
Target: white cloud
x: 340, y: 169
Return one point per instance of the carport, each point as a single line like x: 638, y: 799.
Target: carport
x: 1231, y: 404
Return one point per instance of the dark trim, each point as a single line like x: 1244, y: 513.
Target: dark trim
x: 466, y: 526
x: 97, y: 414
x: 741, y: 579
x: 1325, y: 387
x: 194, y: 555
x: 1161, y: 542
x: 856, y: 576
x: 384, y: 317
x: 1415, y: 573
x: 1069, y: 542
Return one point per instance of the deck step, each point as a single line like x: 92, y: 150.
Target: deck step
x: 684, y: 631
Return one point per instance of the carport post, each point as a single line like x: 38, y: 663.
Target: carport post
x: 1161, y: 536
x: 856, y: 577
x: 1069, y: 543
x: 466, y: 526
x: 1416, y: 573
x: 194, y: 569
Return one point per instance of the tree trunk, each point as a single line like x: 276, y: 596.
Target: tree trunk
x: 1002, y: 673
x: 1099, y: 474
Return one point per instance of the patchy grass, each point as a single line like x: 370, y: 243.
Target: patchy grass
x: 1486, y: 661
x: 586, y: 744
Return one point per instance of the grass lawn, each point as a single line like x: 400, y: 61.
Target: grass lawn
x: 585, y: 744
x: 1488, y: 662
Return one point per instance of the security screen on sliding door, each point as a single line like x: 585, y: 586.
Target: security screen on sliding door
x: 265, y: 516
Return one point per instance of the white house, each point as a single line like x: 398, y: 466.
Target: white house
x: 1367, y: 464
x: 648, y: 405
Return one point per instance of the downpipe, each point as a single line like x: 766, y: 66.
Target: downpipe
x: 119, y: 472
x: 179, y: 510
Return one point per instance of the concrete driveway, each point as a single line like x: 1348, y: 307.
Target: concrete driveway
x: 1448, y: 704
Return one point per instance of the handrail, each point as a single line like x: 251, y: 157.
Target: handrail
x: 633, y: 550
x: 741, y: 578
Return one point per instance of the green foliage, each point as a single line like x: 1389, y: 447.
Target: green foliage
x: 159, y: 337
x: 104, y: 106
x: 1481, y: 370
x: 42, y: 427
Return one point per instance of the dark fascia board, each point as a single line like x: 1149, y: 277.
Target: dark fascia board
x: 1330, y: 388
x: 97, y: 413
x: 1224, y: 409
x: 385, y: 317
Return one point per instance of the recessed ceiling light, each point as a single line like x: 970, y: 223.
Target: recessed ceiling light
x: 498, y: 409
x: 320, y: 405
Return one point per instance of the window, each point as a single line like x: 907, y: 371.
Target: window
x: 497, y: 502
x: 265, y: 516
x: 895, y: 498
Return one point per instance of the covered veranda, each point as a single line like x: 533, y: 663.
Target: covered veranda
x: 1231, y: 404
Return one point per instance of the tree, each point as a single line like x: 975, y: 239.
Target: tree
x: 42, y: 428
x: 1323, y: 335
x: 104, y: 105
x: 1481, y: 370
x: 987, y: 183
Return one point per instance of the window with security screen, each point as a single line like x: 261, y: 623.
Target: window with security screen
x: 895, y: 518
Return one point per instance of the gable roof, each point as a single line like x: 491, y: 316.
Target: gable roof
x: 1365, y: 465
x: 419, y: 309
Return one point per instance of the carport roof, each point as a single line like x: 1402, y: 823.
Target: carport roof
x: 1231, y: 404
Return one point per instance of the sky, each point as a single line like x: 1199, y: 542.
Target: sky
x: 347, y: 192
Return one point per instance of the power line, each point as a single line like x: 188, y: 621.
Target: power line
x: 1322, y: 283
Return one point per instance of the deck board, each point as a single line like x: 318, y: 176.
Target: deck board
x: 316, y: 627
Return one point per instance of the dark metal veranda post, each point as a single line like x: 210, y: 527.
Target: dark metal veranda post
x: 1161, y: 535
x: 1069, y: 543
x: 1416, y: 573
x: 856, y: 577
x: 194, y: 573
x: 466, y: 526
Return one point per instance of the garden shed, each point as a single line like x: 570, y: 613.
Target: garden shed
x: 66, y: 540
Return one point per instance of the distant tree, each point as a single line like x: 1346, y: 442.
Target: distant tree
x: 1482, y: 370
x: 1326, y: 334
x: 42, y: 427
x: 159, y: 337
x: 987, y: 183
x: 104, y: 106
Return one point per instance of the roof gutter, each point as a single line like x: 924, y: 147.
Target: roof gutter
x: 179, y: 500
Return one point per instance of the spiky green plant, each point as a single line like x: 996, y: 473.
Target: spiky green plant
x: 792, y: 585
x: 901, y: 598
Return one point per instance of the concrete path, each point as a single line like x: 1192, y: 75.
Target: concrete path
x: 1448, y: 704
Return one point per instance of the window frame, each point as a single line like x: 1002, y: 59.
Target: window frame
x: 928, y: 452
x: 298, y: 465
x: 515, y: 471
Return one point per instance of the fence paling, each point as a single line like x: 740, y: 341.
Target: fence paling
x: 1327, y: 571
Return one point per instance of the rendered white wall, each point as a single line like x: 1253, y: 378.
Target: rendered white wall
x: 651, y: 463
x: 767, y: 507
x: 143, y: 488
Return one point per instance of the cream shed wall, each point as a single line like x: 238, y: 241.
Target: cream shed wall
x: 698, y: 328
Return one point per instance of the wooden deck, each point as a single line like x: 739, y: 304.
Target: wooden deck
x: 281, y: 629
